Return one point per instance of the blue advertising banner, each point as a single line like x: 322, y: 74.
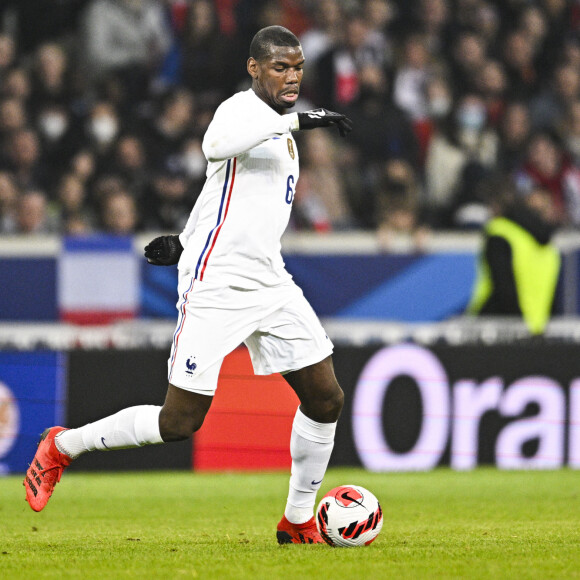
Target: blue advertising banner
x: 406, y: 288
x: 32, y: 397
x: 28, y: 289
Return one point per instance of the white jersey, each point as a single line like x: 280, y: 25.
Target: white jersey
x: 232, y: 237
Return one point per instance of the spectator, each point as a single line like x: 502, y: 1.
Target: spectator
x: 13, y: 117
x: 384, y: 131
x: 17, y: 84
x: 192, y: 159
x: 76, y: 225
x: 464, y: 137
x: 169, y: 200
x: 520, y: 61
x: 533, y: 23
x: 547, y: 166
x: 411, y: 77
x: 8, y: 202
x: 104, y: 186
x: 119, y: 214
x: 59, y: 137
x: 519, y: 266
x: 439, y: 104
x: 325, y: 32
x: 492, y: 86
x: 439, y: 97
x: 379, y: 15
x: 433, y: 18
x: 469, y: 209
x: 468, y: 58
x: 32, y: 214
x: 514, y: 132
x: 83, y: 165
x: 24, y: 157
x: 51, y: 83
x: 72, y: 203
x: 561, y: 26
x: 322, y: 199
x: 400, y: 223
x: 7, y: 55
x: 488, y: 23
x: 336, y: 76
x: 130, y: 162
x: 126, y: 39
x: 193, y: 162
x: 308, y: 210
x: 570, y: 132
x: 206, y: 54
x: 570, y: 51
x: 468, y: 13
x: 101, y: 130
x: 550, y: 106
x: 475, y: 136
x: 165, y: 135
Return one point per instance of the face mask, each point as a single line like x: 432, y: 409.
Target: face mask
x: 195, y: 164
x: 53, y: 126
x: 439, y: 107
x: 471, y: 117
x: 104, y: 129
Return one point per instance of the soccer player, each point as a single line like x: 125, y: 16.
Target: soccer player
x: 234, y: 288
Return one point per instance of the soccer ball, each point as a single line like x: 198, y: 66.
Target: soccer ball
x: 349, y: 515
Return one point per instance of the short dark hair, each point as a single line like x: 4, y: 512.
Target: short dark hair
x: 266, y: 38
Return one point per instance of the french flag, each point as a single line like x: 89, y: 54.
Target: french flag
x: 98, y: 279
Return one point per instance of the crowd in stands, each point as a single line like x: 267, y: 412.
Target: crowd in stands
x: 104, y: 103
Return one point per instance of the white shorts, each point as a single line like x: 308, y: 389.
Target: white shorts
x: 277, y: 324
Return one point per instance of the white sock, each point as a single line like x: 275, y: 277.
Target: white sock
x: 132, y: 427
x: 311, y: 444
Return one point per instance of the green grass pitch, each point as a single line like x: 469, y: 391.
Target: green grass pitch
x: 440, y: 524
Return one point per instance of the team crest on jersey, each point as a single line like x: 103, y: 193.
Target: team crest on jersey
x: 191, y: 365
x: 291, y: 148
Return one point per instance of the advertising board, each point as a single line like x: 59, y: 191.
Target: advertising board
x: 32, y: 397
x: 414, y: 408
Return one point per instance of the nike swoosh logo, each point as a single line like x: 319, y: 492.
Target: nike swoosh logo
x: 347, y: 497
x: 315, y: 482
x: 103, y: 442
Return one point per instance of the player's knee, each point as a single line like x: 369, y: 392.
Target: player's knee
x: 326, y: 406
x: 336, y: 403
x: 178, y: 426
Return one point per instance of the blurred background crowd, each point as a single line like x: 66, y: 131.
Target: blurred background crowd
x: 104, y: 103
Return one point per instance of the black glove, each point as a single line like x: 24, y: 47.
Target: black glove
x: 325, y: 118
x: 164, y: 251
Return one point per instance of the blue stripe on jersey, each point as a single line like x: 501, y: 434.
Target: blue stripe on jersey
x: 199, y: 262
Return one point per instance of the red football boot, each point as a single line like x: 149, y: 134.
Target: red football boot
x: 306, y: 533
x: 45, y: 470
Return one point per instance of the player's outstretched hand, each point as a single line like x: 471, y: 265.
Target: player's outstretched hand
x: 325, y: 118
x: 164, y: 251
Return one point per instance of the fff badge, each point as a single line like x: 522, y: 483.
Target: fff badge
x: 32, y: 398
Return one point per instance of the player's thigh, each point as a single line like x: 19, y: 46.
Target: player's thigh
x: 212, y: 322
x: 290, y: 339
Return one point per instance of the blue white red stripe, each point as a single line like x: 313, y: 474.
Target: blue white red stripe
x: 178, y: 330
x: 222, y: 214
